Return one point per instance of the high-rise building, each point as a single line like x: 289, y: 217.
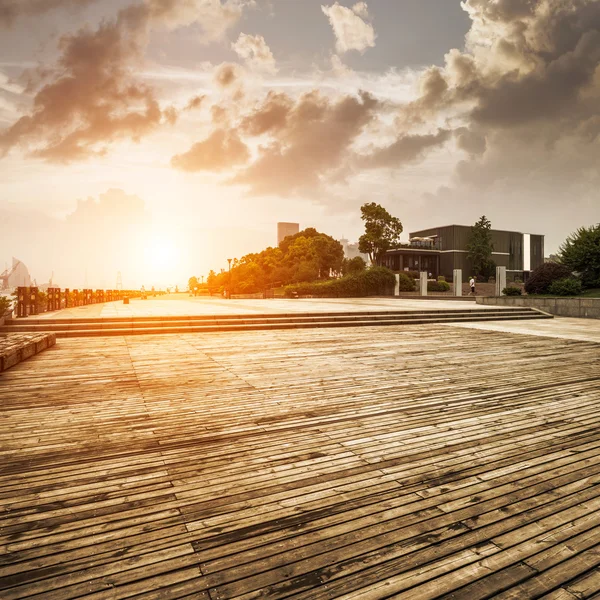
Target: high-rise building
x: 285, y: 229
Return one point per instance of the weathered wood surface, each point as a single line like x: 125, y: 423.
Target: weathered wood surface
x: 17, y: 347
x: 316, y: 464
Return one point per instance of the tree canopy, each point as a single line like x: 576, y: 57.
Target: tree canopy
x: 581, y: 253
x: 306, y: 256
x: 382, y: 232
x: 480, y: 247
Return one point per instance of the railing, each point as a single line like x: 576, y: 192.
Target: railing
x: 30, y: 301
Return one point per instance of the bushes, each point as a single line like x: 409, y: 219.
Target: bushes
x: 5, y: 305
x: 376, y: 281
x: 407, y: 284
x: 412, y: 274
x: 565, y: 287
x: 512, y: 290
x: 438, y: 286
x: 542, y: 277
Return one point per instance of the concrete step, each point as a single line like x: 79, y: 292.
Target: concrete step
x: 269, y: 326
x: 217, y: 323
x: 294, y: 315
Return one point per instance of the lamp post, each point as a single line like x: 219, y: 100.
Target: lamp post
x: 229, y: 284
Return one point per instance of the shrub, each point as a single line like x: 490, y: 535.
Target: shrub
x: 407, y: 284
x: 412, y: 274
x: 565, y: 287
x: 376, y: 281
x: 512, y: 290
x: 441, y: 278
x: 5, y: 305
x: 540, y: 279
x: 438, y: 286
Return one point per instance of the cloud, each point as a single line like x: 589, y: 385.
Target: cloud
x: 310, y: 140
x: 254, y: 51
x: 94, y: 98
x: 222, y: 150
x: 523, y: 96
x: 10, y: 10
x: 405, y: 149
x: 215, y: 17
x: 351, y: 31
x: 226, y: 74
x: 195, y: 102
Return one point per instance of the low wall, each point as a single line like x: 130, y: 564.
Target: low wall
x: 584, y: 308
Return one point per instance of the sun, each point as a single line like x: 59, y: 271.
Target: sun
x: 160, y: 253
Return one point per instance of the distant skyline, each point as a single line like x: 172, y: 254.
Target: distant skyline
x: 159, y: 138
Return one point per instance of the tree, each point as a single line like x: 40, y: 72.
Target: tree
x: 351, y: 266
x: 382, y: 232
x: 581, y: 253
x: 193, y: 284
x: 480, y: 247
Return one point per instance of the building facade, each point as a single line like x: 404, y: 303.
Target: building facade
x: 285, y: 229
x: 440, y: 250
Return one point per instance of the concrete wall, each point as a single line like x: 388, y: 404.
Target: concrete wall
x: 586, y: 308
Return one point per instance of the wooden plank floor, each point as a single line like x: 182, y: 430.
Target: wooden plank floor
x: 316, y: 464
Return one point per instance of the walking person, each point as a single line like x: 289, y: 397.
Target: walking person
x: 472, y: 284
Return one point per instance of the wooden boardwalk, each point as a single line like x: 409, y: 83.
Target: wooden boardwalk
x: 351, y: 463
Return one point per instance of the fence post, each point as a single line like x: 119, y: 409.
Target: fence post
x: 33, y: 298
x: 500, y: 280
x: 457, y: 282
x: 21, y: 291
x: 423, y: 283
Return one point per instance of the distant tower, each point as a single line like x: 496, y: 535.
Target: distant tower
x: 285, y: 229
x: 119, y: 281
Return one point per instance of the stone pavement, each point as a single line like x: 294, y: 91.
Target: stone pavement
x: 585, y: 330
x: 184, y: 305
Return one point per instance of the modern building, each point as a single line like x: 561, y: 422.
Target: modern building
x: 352, y: 251
x: 440, y: 250
x: 285, y: 229
x: 15, y: 276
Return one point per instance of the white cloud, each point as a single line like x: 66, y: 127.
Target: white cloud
x: 351, y: 31
x: 254, y: 50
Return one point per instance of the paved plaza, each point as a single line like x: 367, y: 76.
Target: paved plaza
x: 184, y: 305
x: 363, y: 463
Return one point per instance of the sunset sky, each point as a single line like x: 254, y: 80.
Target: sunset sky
x: 160, y: 137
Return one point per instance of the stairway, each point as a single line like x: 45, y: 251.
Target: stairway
x: 210, y: 323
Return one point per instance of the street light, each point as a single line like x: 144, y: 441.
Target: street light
x: 229, y: 285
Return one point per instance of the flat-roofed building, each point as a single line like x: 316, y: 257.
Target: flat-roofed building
x: 285, y: 229
x: 440, y: 250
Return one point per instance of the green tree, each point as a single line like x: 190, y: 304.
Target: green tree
x: 327, y: 252
x: 193, y: 283
x: 351, y: 266
x: 382, y: 232
x: 480, y: 247
x: 581, y: 253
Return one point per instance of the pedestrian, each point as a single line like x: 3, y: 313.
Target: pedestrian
x: 472, y: 284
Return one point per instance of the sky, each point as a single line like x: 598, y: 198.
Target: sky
x: 157, y: 138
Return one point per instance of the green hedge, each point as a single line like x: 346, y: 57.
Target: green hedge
x: 407, y: 284
x: 565, y: 287
x: 512, y: 290
x: 438, y: 286
x: 376, y: 281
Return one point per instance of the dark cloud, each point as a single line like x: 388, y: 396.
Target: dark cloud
x: 195, y: 102
x: 271, y: 115
x: 222, y: 150
x: 405, y: 149
x: 10, y: 10
x: 94, y: 98
x: 309, y: 140
x: 226, y: 74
